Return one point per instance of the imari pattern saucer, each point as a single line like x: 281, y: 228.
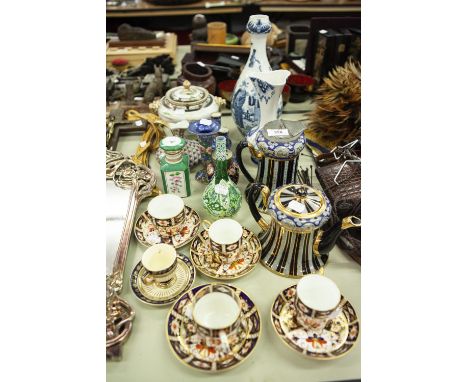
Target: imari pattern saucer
x: 206, y: 263
x: 157, y: 295
x: 337, y: 339
x: 147, y: 233
x: 193, y: 351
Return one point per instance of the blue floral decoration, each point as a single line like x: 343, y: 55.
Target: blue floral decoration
x: 280, y: 150
x: 264, y: 90
x: 245, y: 107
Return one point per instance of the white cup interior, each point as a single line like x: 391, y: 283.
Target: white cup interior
x: 216, y: 310
x: 165, y: 206
x: 159, y: 257
x: 318, y: 292
x: 225, y: 231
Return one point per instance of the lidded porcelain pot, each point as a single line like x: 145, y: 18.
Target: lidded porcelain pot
x: 186, y: 103
x: 293, y: 242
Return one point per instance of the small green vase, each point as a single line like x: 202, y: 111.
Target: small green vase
x: 221, y: 197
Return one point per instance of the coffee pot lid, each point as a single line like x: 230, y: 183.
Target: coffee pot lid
x: 281, y: 139
x: 282, y: 131
x: 300, y: 206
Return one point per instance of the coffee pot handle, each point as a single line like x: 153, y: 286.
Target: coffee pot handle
x: 252, y: 193
x: 241, y: 146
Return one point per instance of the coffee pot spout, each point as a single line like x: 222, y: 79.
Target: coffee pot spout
x: 326, y: 240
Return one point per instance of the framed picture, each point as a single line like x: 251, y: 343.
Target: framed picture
x: 117, y: 126
x: 328, y: 43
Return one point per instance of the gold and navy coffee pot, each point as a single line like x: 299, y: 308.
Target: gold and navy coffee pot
x: 276, y: 149
x: 293, y: 242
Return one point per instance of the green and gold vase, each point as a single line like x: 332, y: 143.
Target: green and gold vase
x: 221, y: 197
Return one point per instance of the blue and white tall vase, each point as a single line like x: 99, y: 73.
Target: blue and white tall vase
x: 244, y: 103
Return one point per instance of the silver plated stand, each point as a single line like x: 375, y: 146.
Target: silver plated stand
x: 126, y: 184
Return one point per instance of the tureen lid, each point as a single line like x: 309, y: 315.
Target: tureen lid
x: 300, y: 206
x: 187, y: 95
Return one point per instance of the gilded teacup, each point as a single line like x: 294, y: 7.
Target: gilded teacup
x: 168, y: 212
x: 160, y: 262
x: 217, y: 315
x: 317, y: 302
x: 224, y: 238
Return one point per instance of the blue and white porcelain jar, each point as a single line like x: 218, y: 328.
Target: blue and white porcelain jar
x: 206, y: 130
x: 244, y: 103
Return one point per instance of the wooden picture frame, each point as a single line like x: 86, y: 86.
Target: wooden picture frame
x: 319, y: 23
x: 122, y: 127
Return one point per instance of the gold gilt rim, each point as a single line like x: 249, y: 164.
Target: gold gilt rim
x: 331, y: 358
x: 245, y: 272
x: 263, y: 262
x: 295, y: 214
x: 188, y: 287
x: 278, y: 273
x: 183, y: 244
x: 230, y: 367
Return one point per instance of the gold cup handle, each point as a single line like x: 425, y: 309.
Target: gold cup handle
x: 206, y: 224
x: 148, y: 278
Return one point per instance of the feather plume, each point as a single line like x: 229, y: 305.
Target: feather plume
x: 336, y: 118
